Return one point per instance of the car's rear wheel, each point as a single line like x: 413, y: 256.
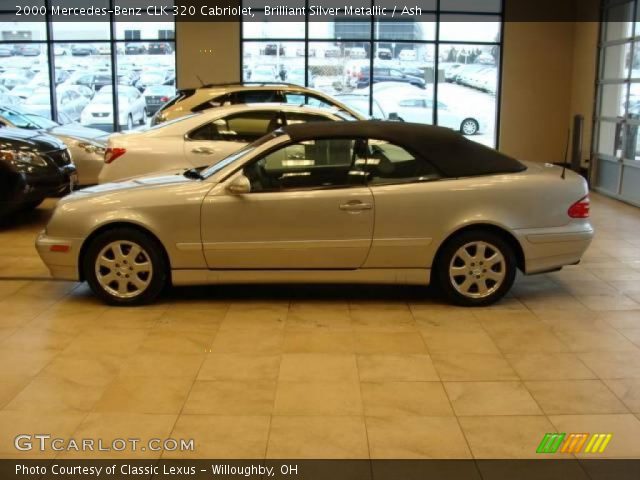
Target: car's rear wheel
x: 475, y: 268
x: 125, y: 267
x: 469, y: 126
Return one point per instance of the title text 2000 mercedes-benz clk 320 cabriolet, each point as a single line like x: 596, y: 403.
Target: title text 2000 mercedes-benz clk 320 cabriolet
x: 327, y: 202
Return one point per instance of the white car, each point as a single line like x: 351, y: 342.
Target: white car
x: 264, y: 73
x: 202, y: 139
x: 131, y: 107
x: 408, y: 55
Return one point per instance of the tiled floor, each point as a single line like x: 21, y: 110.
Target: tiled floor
x: 329, y: 372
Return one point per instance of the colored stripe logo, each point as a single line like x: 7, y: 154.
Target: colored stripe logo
x: 574, y: 443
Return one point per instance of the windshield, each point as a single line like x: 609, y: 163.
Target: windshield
x: 103, y: 99
x: 41, y: 122
x: 215, y: 168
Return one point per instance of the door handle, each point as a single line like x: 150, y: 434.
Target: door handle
x: 202, y: 151
x: 355, y: 206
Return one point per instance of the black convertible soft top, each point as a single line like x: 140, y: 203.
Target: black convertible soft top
x: 451, y: 153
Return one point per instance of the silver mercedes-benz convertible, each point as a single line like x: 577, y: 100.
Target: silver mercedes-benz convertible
x: 327, y: 202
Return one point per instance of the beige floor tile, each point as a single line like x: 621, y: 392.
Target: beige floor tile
x: 552, y: 301
x: 28, y: 363
x: 255, y: 316
x: 111, y: 426
x: 601, y: 303
x: 145, y: 395
x: 463, y: 367
x: 239, y: 367
x: 389, y: 343
x: 317, y: 315
x: 131, y: 317
x: 629, y: 319
x: 443, y: 341
x: 319, y: 342
x: 632, y: 334
x: 224, y: 437
x: 528, y: 340
x: 10, y: 386
x: 509, y: 437
x: 400, y: 368
x: 178, y: 342
x: 248, y: 341
x: 491, y: 398
x: 595, y: 340
x: 322, y: 367
x: 455, y: 319
x: 113, y: 341
x: 571, y: 320
x: 94, y: 370
x: 382, y: 317
x: 549, y: 366
x: 12, y: 424
x: 37, y: 339
x: 318, y: 437
x: 398, y: 399
x: 416, y: 438
x: 627, y: 390
x: 625, y: 429
x: 613, y: 365
x: 254, y: 397
x: 46, y: 394
x: 318, y: 398
x: 560, y: 397
x: 69, y: 321
x: 189, y: 320
x: 163, y: 365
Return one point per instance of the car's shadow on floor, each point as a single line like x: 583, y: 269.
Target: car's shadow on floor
x: 298, y: 292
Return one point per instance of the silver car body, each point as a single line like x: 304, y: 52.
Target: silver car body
x: 169, y: 147
x: 212, y: 235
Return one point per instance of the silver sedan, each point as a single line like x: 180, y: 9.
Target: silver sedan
x: 328, y: 202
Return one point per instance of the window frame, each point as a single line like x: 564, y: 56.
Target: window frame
x: 374, y: 41
x: 51, y: 41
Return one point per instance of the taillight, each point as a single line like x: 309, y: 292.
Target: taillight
x: 164, y: 99
x: 580, y: 209
x: 111, y: 154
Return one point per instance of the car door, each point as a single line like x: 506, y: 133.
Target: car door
x: 407, y: 212
x: 219, y: 138
x: 308, y: 208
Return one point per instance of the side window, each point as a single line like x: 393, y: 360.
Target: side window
x: 309, y: 165
x: 241, y: 127
x: 302, y: 99
x: 256, y: 96
x: 386, y: 163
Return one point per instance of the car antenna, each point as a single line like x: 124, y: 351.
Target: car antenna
x: 200, y: 80
x: 566, y: 153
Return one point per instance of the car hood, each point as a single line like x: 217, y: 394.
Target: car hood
x: 134, y: 184
x: 78, y: 131
x: 30, y: 140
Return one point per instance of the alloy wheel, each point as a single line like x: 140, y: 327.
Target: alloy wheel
x: 477, y: 269
x: 469, y: 127
x: 124, y: 269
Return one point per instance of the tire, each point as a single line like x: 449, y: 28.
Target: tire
x: 475, y: 279
x: 104, y: 267
x: 469, y: 126
x: 130, y: 122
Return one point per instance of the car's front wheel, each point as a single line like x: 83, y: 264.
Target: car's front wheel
x: 125, y: 267
x: 475, y: 268
x: 469, y: 126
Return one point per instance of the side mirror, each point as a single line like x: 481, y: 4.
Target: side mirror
x: 239, y: 186
x: 393, y: 117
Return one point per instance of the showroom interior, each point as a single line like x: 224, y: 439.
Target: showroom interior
x: 336, y: 370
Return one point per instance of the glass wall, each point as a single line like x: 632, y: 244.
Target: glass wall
x: 440, y: 66
x: 616, y: 140
x: 94, y: 67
